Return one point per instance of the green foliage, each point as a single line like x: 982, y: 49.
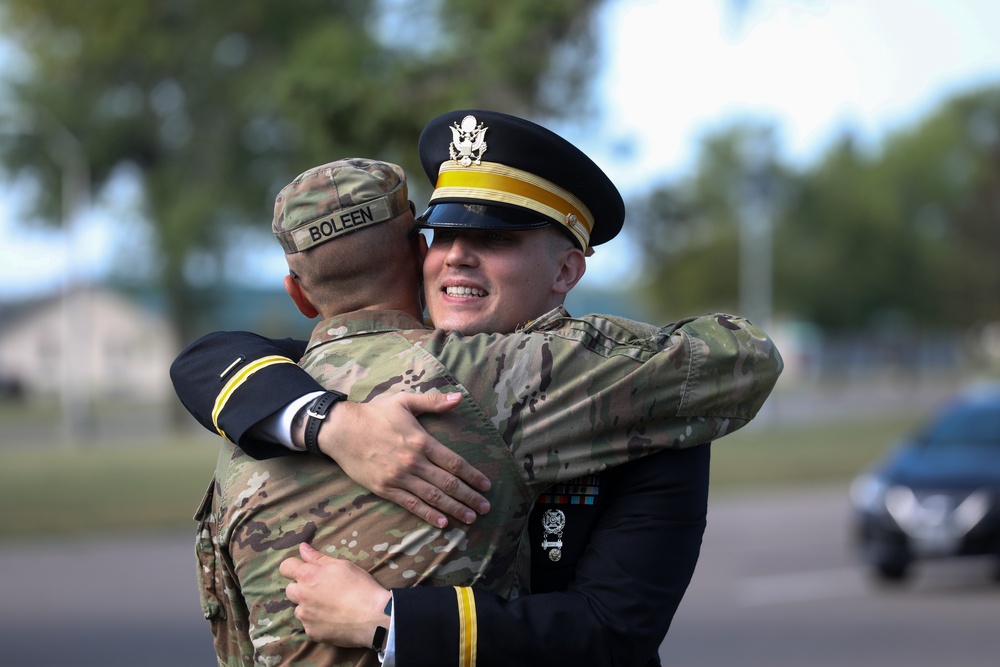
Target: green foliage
x: 691, y: 230
x: 219, y: 105
x: 144, y: 487
x: 766, y: 455
x: 908, y: 236
x: 841, y: 248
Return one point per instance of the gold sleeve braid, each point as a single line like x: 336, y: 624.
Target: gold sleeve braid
x: 468, y: 630
x: 237, y: 380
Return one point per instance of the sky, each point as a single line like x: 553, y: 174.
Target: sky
x: 678, y: 69
x: 672, y: 71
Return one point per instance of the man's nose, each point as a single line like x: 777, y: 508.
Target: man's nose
x: 461, y: 252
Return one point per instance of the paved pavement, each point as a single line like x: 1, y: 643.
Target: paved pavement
x: 777, y: 586
x: 109, y: 601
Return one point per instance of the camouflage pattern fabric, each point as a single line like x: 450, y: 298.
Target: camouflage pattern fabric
x: 562, y: 398
x: 337, y: 198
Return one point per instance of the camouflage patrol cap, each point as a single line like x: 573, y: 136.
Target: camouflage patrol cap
x: 491, y: 170
x: 335, y: 199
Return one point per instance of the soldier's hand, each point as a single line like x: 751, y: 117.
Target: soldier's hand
x: 382, y: 447
x: 337, y: 602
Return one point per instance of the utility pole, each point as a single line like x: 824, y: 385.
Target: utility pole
x: 756, y: 261
x: 74, y: 348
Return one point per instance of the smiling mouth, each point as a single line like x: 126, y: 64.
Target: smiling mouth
x: 465, y: 292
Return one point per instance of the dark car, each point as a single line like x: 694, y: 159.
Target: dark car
x: 937, y: 494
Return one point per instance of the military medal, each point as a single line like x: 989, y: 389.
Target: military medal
x: 553, y: 522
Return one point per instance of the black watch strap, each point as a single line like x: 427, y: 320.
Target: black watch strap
x: 315, y: 414
x: 378, y: 640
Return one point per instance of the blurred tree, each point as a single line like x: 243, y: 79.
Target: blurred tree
x: 840, y: 244
x: 958, y: 208
x: 909, y: 234
x: 905, y: 235
x: 692, y: 230
x: 216, y: 106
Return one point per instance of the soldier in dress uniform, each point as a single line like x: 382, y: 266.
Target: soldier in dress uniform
x: 612, y: 553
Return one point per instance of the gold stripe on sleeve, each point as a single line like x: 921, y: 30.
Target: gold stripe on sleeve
x: 237, y: 380
x: 468, y: 630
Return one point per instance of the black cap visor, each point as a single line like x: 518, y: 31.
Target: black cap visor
x: 481, y: 216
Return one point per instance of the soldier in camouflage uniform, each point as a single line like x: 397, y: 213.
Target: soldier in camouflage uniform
x: 562, y: 398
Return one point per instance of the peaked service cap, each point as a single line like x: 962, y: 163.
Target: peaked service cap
x: 491, y: 170
x: 335, y: 199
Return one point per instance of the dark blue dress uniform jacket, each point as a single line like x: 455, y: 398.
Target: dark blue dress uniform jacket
x: 626, y: 560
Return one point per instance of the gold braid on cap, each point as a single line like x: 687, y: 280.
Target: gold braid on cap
x: 491, y: 181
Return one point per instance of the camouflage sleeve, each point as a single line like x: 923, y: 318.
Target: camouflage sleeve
x: 732, y: 366
x: 579, y: 394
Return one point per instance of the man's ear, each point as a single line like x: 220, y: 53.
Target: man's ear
x: 302, y: 302
x: 422, y: 248
x: 573, y: 266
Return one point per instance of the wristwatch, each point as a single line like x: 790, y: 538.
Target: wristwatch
x: 317, y: 411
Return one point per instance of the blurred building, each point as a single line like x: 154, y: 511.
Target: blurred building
x: 93, y: 340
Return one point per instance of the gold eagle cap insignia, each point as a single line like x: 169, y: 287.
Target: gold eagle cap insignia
x: 468, y: 142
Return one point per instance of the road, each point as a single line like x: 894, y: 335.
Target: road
x: 776, y: 586
x: 109, y: 601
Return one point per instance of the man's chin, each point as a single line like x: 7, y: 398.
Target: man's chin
x: 463, y: 324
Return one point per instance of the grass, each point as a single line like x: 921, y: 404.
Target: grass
x: 806, y: 454
x: 60, y: 490
x: 53, y: 489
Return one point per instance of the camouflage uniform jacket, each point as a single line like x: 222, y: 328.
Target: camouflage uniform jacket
x: 562, y: 398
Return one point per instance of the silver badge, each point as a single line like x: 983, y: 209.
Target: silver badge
x: 468, y: 142
x: 553, y: 523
